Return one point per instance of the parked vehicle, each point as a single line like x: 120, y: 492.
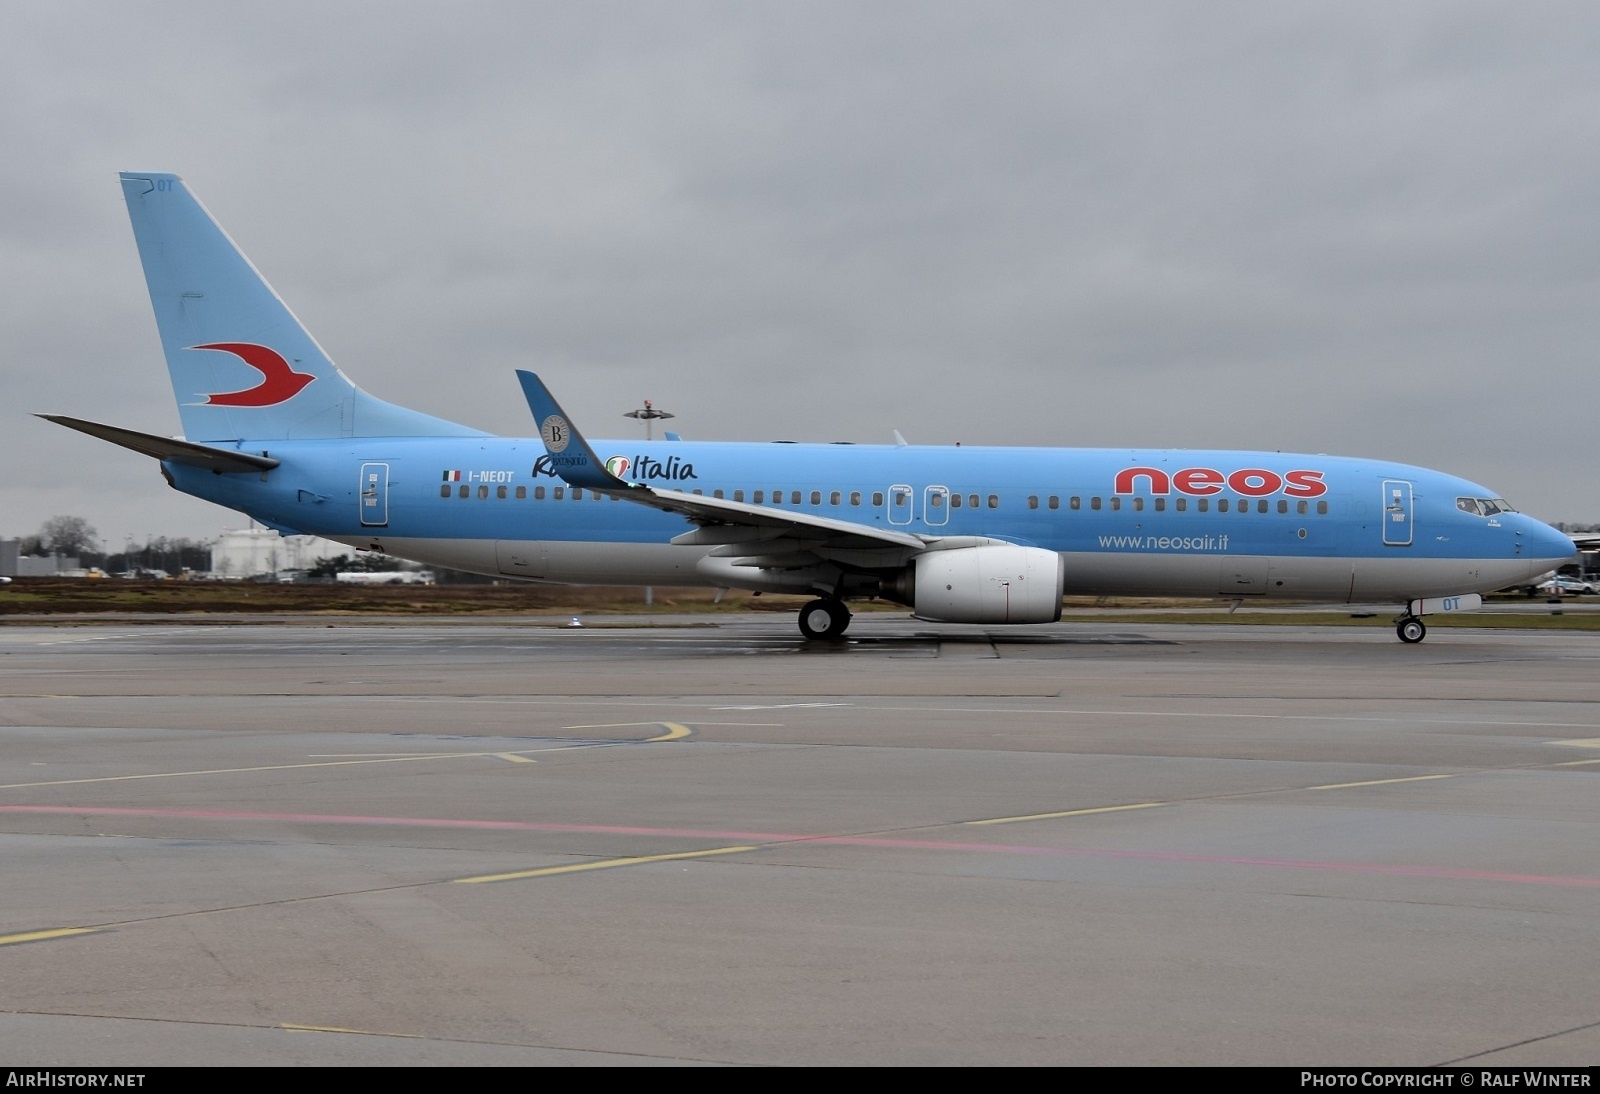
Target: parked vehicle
x: 1566, y: 586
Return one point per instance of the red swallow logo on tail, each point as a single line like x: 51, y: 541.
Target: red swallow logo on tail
x: 279, y: 383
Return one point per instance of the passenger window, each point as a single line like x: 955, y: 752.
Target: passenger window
x: 1116, y: 504
x: 738, y: 495
x: 483, y: 493
x: 855, y: 497
x: 758, y: 497
x: 1055, y: 501
x: 538, y: 493
x: 1301, y: 507
x: 1322, y: 507
x: 1094, y: 503
x: 1283, y: 505
x: 1138, y: 505
x: 444, y: 491
x: 1261, y: 506
x: 500, y: 492
x: 994, y: 501
x: 1161, y: 505
x: 833, y: 498
x: 1222, y: 505
x: 558, y: 493
x: 955, y: 501
x: 716, y: 493
x: 935, y: 501
x: 577, y: 493
x: 522, y: 492
x: 1182, y: 504
x: 877, y: 498
x: 794, y: 497
x: 465, y: 490
x: 1075, y: 503
x: 1033, y: 501
x: 972, y: 501
x: 1201, y: 505
x: 816, y: 497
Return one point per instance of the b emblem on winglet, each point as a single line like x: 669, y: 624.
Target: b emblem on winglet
x: 279, y: 383
x: 556, y: 433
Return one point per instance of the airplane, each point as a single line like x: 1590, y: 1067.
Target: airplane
x: 960, y: 534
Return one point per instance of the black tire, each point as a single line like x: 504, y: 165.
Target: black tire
x: 1411, y: 630
x: 822, y: 619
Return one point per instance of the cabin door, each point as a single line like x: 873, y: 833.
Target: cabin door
x: 1396, y: 513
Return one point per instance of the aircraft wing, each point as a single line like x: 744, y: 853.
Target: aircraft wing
x: 168, y: 448
x: 757, y: 535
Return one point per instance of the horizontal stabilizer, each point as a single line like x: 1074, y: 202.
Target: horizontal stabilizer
x: 168, y: 448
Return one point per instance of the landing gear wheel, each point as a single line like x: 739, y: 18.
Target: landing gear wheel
x: 824, y: 619
x: 1411, y: 630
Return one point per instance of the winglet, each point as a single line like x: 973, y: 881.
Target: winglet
x: 570, y: 455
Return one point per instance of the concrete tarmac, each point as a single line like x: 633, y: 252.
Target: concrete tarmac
x: 704, y: 841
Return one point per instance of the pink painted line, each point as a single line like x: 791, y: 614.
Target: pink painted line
x: 892, y: 843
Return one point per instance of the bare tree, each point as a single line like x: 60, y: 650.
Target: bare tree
x: 68, y: 536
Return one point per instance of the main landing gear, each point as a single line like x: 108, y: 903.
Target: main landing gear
x: 1410, y: 628
x: 824, y: 619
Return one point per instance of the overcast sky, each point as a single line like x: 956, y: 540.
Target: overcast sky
x: 1365, y: 229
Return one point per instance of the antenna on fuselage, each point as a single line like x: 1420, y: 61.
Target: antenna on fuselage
x: 649, y: 415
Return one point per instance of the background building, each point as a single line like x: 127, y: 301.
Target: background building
x: 13, y: 563
x: 253, y: 552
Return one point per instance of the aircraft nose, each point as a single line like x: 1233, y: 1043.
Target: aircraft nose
x: 1547, y: 547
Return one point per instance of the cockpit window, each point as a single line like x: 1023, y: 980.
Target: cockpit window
x: 1484, y: 507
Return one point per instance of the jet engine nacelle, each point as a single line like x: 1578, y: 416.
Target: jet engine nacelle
x: 1001, y: 583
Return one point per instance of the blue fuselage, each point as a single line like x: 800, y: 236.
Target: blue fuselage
x: 1173, y: 522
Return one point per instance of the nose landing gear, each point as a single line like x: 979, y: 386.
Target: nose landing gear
x: 1410, y: 628
x: 824, y: 619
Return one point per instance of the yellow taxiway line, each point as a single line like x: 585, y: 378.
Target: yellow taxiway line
x: 1067, y: 813
x: 606, y: 864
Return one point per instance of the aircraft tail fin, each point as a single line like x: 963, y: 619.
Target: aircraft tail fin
x: 242, y: 366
